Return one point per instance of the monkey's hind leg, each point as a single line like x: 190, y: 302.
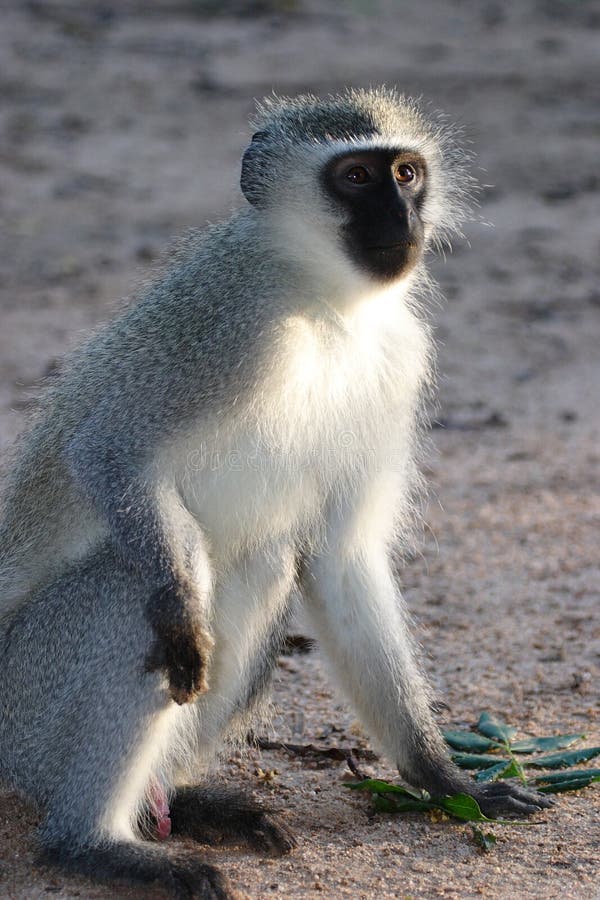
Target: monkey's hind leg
x: 208, y: 813
x: 105, y: 847
x: 93, y: 730
x: 91, y: 815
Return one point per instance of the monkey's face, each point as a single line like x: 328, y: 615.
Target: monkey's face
x: 381, y: 192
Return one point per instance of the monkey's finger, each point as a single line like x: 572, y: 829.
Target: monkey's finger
x: 198, y: 673
x: 194, y: 879
x: 532, y: 797
x: 272, y: 836
x: 510, y: 800
x: 180, y: 683
x: 185, y: 670
x: 183, y: 690
x: 181, y: 693
x: 195, y: 656
x: 512, y: 805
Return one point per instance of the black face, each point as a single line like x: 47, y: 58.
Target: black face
x: 383, y: 190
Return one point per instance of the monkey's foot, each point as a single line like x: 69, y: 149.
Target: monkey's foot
x: 207, y: 814
x: 503, y: 798
x: 183, y: 646
x: 183, y: 877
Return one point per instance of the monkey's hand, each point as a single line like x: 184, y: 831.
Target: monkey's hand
x: 503, y: 798
x: 183, y: 645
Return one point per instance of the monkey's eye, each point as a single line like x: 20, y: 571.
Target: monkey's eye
x: 358, y: 175
x: 405, y: 173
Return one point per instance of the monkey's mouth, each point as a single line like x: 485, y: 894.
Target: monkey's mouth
x: 397, y: 245
x: 389, y: 261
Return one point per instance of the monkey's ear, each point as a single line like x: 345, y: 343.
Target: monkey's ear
x: 252, y: 163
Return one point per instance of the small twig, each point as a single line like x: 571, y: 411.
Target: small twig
x: 354, y: 768
x: 339, y: 753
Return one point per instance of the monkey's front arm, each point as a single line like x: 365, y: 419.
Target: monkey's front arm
x: 157, y: 538
x: 362, y: 624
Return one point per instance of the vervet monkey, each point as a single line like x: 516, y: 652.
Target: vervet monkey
x: 249, y: 426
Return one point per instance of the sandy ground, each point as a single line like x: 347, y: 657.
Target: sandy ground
x: 123, y: 123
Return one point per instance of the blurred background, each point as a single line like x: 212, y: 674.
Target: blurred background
x: 123, y: 123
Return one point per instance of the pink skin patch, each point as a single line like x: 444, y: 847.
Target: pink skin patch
x: 159, y: 809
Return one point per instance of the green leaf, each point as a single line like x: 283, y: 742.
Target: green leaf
x: 463, y: 807
x: 571, y: 780
x: 552, y: 777
x: 383, y: 804
x: 394, y: 798
x: 575, y: 784
x: 377, y: 786
x: 485, y: 840
x: 503, y: 769
x: 477, y: 761
x: 563, y: 760
x: 533, y: 745
x: 469, y: 741
x: 495, y: 728
x: 390, y: 804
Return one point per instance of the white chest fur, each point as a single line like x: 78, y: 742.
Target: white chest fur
x: 340, y: 400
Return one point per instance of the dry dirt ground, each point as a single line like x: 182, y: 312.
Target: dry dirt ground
x: 121, y: 124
